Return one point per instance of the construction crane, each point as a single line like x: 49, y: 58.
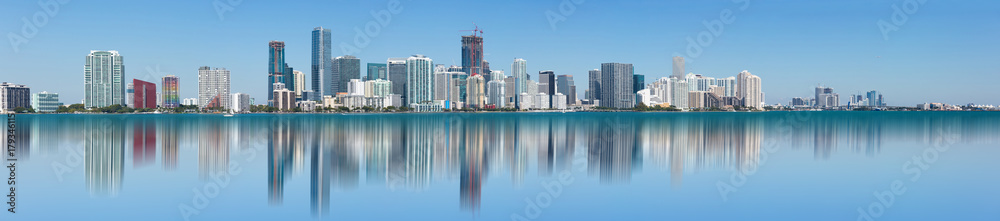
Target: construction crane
x: 475, y: 68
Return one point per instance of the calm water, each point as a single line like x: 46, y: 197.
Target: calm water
x: 552, y: 166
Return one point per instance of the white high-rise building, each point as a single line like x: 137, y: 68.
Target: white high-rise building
x: 356, y: 87
x: 748, y: 89
x: 559, y: 101
x: 475, y: 92
x: 378, y: 88
x: 419, y: 79
x: 729, y: 85
x: 497, y: 92
x: 300, y: 83
x: 679, y: 93
x: 241, y: 102
x: 213, y: 83
x: 104, y: 79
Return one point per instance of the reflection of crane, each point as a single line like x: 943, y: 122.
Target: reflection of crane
x: 472, y: 51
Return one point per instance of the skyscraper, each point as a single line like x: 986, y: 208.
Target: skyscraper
x: 346, y: 68
x: 679, y: 93
x: 678, y: 68
x: 213, y: 86
x: 145, y: 94
x: 14, y: 96
x: 748, y: 89
x: 547, y: 84
x: 377, y: 71
x: 826, y: 98
x: 595, y: 84
x: 104, y: 79
x: 616, y: 85
x: 275, y: 69
x: 496, y: 92
x: 321, y: 66
x: 729, y: 85
x: 567, y: 87
x: 519, y: 70
x: 476, y: 92
x: 638, y: 82
x: 300, y: 84
x: 396, y: 68
x: 472, y: 55
x: 171, y: 91
x: 420, y: 80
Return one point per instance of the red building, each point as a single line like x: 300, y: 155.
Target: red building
x: 145, y: 94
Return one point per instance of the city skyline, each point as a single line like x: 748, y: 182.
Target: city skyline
x: 788, y: 71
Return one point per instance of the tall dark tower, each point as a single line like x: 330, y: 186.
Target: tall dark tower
x: 472, y: 53
x: 275, y: 68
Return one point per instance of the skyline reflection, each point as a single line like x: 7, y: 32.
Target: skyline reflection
x: 413, y: 152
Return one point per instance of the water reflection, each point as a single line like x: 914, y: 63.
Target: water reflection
x: 412, y: 152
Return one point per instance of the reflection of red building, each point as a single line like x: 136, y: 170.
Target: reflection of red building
x: 145, y: 94
x: 143, y: 142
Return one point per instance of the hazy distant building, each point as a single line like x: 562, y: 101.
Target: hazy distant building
x: 825, y: 98
x: 678, y: 71
x: 616, y: 85
x: 213, y: 84
x: 104, y: 79
x: 44, y: 101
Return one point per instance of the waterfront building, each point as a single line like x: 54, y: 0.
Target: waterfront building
x: 104, y: 79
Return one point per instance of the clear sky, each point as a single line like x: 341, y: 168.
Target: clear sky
x: 943, y: 51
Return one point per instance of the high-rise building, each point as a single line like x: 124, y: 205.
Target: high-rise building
x: 729, y: 85
x: 443, y: 85
x: 104, y: 79
x: 595, y: 85
x: 396, y: 67
x: 678, y: 71
x: 472, y: 55
x: 276, y: 68
x: 826, y: 98
x: 459, y: 82
x: 45, y: 101
x: 697, y: 82
x: 638, y: 82
x: 321, y: 65
x: 300, y: 84
x: 13, y: 96
x: 547, y: 84
x: 476, y: 91
x: 171, y: 91
x: 284, y: 99
x: 241, y: 102
x: 496, y: 91
x: 679, y: 93
x: 420, y: 80
x: 748, y: 89
x: 566, y: 86
x: 510, y: 91
x: 356, y: 87
x: 519, y: 70
x: 377, y: 71
x: 346, y: 68
x: 874, y: 99
x: 616, y: 85
x: 130, y: 95
x: 145, y: 94
x: 213, y: 84
x: 378, y: 88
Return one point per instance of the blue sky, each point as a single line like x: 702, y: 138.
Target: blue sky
x: 944, y: 51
